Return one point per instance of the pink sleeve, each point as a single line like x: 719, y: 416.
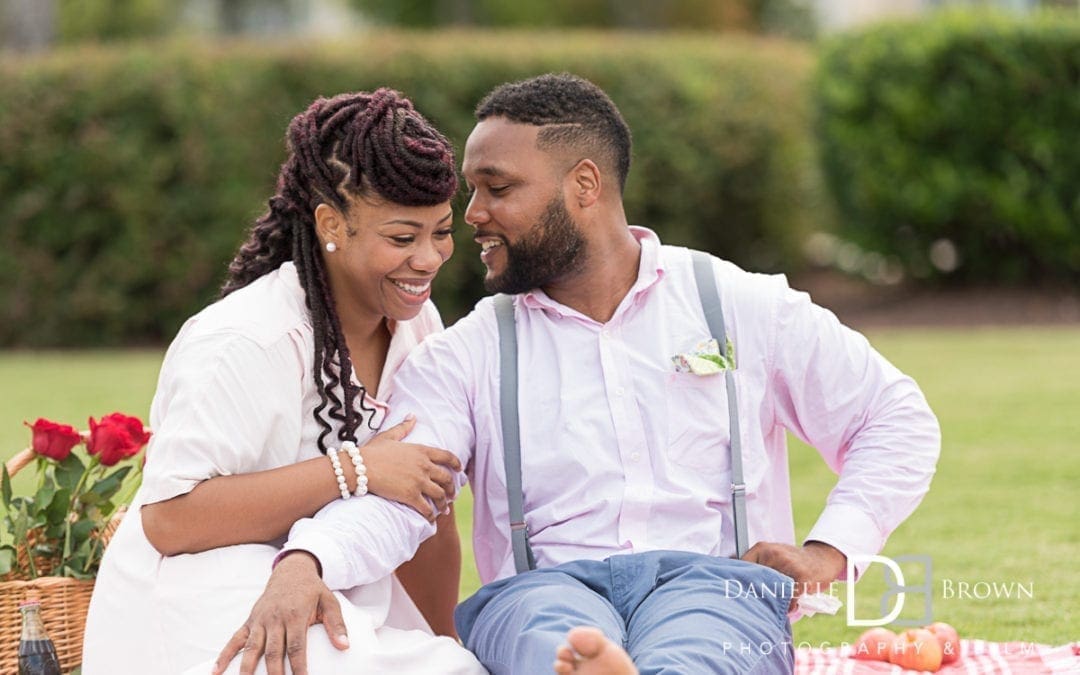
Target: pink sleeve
x: 869, y: 421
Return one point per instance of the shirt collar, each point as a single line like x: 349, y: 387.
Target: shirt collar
x: 650, y: 270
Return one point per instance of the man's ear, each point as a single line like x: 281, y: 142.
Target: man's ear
x: 330, y: 225
x: 586, y: 183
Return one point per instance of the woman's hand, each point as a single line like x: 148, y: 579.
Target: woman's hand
x: 410, y: 473
x: 295, y: 598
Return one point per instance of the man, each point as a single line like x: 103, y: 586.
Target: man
x: 625, y: 461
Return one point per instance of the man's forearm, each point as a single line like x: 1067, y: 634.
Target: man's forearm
x: 360, y: 540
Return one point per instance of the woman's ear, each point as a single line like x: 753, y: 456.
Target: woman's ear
x: 329, y: 225
x: 586, y: 183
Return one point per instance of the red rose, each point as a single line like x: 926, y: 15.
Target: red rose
x: 116, y: 437
x: 53, y: 440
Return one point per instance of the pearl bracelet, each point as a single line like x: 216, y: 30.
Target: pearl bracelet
x: 358, y: 463
x: 339, y: 473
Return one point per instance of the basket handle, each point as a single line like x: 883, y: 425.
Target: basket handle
x: 16, y: 463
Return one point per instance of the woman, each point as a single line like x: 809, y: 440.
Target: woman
x: 263, y: 394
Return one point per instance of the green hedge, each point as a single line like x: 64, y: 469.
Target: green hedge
x: 130, y: 176
x: 963, y: 128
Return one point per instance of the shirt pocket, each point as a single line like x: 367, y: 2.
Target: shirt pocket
x: 697, y: 423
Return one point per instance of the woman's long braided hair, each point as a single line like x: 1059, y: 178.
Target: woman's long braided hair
x: 350, y: 146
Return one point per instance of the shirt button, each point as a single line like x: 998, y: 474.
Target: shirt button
x: 605, y: 333
x: 635, y: 457
x: 620, y: 391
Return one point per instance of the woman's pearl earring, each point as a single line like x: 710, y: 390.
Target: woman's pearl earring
x: 331, y: 247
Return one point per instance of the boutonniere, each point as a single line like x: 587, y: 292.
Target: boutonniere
x: 705, y: 358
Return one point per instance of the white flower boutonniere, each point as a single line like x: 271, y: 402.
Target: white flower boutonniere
x: 705, y: 358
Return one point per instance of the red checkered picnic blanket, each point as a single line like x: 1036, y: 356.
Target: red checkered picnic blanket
x: 977, y: 657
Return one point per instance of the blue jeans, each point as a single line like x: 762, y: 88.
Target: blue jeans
x: 672, y: 612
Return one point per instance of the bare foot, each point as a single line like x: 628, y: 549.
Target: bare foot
x: 589, y: 652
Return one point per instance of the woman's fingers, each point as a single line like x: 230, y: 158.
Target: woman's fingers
x: 437, y: 494
x: 418, y: 476
x: 421, y: 506
x: 444, y: 458
x: 398, y: 432
x: 443, y: 482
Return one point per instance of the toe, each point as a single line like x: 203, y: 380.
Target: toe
x: 587, y: 641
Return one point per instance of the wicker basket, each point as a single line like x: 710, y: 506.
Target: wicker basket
x: 64, y: 602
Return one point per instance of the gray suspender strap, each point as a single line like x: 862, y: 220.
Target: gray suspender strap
x: 508, y: 408
x: 714, y: 316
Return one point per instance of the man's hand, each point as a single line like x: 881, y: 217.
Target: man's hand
x: 294, y: 599
x: 813, y: 566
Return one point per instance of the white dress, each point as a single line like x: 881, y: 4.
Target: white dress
x: 235, y: 395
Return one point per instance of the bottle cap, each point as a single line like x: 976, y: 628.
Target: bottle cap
x: 28, y: 603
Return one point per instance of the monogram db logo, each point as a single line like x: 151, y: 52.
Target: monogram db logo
x: 897, y: 588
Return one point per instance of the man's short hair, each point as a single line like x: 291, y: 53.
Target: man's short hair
x: 575, y: 111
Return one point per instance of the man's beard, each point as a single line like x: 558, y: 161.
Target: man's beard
x: 552, y: 248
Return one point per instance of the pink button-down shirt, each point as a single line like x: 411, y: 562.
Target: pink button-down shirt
x: 622, y: 454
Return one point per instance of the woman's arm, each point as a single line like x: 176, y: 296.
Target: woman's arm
x: 433, y: 575
x: 241, y: 509
x: 262, y: 506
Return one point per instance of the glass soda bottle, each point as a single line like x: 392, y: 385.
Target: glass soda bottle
x: 37, y: 653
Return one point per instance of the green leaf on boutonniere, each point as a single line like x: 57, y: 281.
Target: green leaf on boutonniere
x: 703, y: 365
x: 69, y: 471
x: 705, y: 358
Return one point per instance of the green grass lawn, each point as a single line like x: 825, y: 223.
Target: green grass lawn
x: 1003, y: 507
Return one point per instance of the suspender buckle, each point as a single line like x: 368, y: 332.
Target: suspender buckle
x: 738, y: 488
x: 514, y: 527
